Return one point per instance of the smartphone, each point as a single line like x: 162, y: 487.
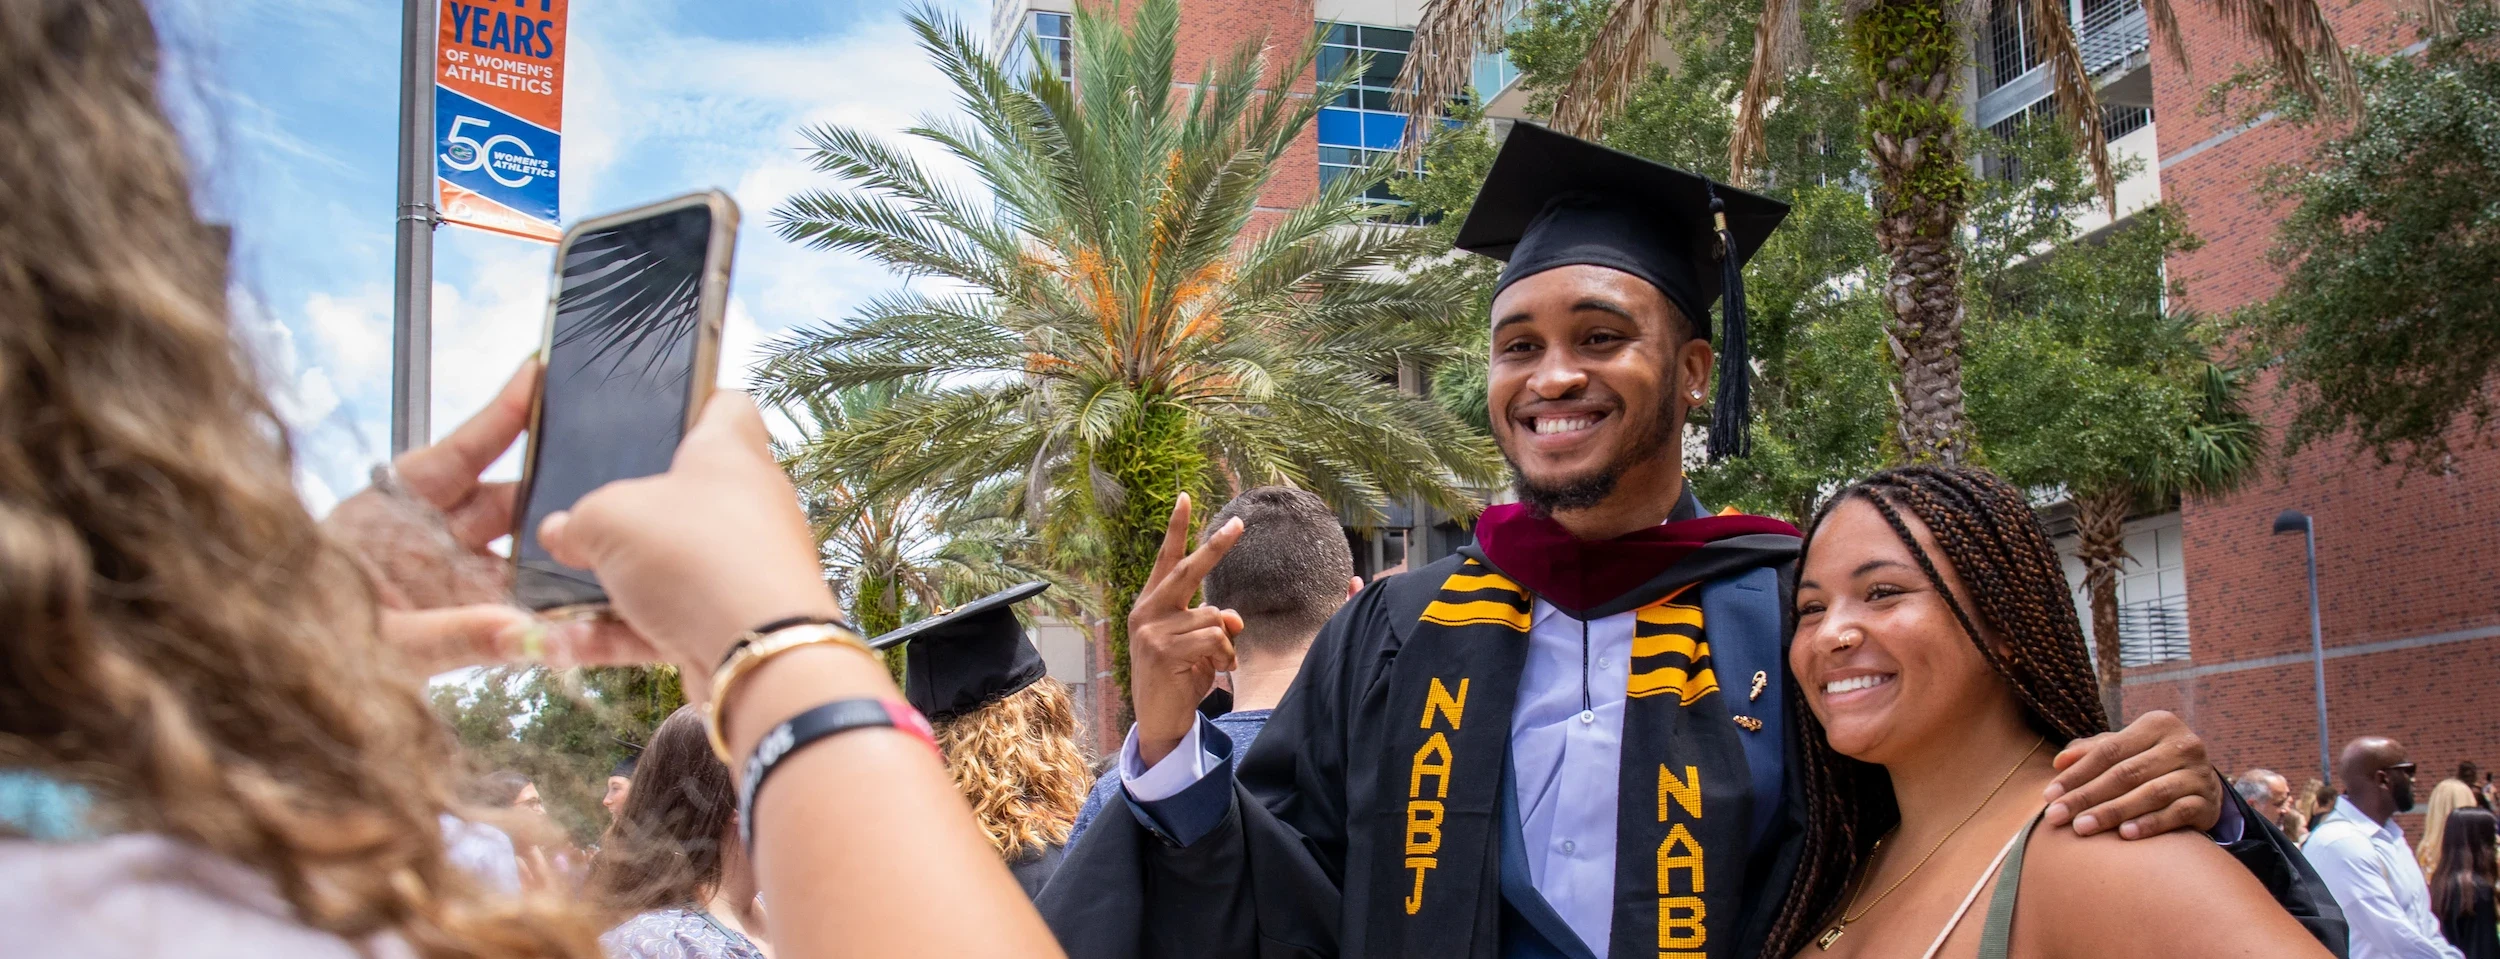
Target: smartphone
x: 631, y: 347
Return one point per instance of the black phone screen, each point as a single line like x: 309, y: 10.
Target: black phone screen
x: 627, y: 325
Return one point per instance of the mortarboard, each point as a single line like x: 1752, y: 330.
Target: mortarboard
x: 1555, y: 200
x: 624, y: 768
x: 963, y: 660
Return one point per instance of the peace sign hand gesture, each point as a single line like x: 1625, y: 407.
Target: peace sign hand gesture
x: 1175, y: 649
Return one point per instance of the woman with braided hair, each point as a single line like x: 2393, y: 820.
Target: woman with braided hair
x: 1942, y: 667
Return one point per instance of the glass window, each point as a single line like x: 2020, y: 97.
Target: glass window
x: 1056, y: 32
x: 1358, y: 128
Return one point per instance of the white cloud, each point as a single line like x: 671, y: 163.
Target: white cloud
x: 353, y: 334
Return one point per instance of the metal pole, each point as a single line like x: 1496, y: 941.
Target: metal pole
x: 2317, y: 648
x: 412, y: 305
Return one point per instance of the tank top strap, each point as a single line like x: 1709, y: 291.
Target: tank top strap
x: 1996, y: 937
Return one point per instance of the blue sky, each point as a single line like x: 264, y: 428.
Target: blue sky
x: 292, y: 109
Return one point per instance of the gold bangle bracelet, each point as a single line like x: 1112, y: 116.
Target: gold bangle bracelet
x: 754, y: 651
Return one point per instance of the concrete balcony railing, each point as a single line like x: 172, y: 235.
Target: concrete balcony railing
x: 2110, y: 37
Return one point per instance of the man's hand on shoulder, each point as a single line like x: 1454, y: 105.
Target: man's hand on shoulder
x: 2150, y: 778
x: 1175, y: 649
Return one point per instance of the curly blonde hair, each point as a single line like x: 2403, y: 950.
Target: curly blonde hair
x: 176, y: 633
x: 1017, y: 762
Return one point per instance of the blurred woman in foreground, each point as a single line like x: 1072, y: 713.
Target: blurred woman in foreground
x: 1942, y: 667
x: 671, y: 870
x: 197, y: 670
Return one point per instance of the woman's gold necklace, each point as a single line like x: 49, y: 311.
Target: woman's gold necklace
x: 1832, y: 935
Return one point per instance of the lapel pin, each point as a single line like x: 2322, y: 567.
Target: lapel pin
x: 1750, y: 724
x: 1760, y: 680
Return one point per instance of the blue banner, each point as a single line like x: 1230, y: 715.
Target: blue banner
x: 497, y: 157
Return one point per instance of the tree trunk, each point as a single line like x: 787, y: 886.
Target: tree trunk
x: 2100, y: 542
x: 1148, y: 465
x: 881, y: 611
x: 1911, y: 52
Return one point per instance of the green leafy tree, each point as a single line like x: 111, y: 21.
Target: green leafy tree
x: 1908, y: 57
x: 2086, y: 381
x: 2386, y: 328
x: 564, y: 730
x: 1107, y: 324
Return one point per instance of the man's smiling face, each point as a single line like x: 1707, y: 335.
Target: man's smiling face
x: 1592, y: 372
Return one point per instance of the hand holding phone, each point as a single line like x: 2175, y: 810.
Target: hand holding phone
x: 631, y: 348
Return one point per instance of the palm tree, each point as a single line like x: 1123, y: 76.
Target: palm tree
x: 1106, y: 326
x: 890, y: 557
x: 2217, y: 452
x: 1911, y: 53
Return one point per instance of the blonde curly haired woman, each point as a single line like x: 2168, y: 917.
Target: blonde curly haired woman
x: 1007, y: 728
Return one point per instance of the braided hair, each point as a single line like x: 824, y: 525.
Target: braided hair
x: 1987, y: 532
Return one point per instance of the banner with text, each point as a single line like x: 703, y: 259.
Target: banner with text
x: 499, y: 114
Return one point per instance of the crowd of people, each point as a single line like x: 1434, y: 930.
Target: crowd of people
x: 1615, y: 724
x: 2432, y: 900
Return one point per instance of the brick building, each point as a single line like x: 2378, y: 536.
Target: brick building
x: 2214, y: 605
x: 2412, y: 630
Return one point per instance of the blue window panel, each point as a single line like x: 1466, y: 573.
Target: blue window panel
x: 1382, y: 131
x: 1340, y: 127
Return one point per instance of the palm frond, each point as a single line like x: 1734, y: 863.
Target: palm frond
x: 1438, y: 62
x: 2078, y: 102
x: 1615, y: 63
x: 2298, y: 39
x: 1778, y: 44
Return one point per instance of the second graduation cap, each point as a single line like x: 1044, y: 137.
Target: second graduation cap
x: 971, y: 657
x: 1554, y: 200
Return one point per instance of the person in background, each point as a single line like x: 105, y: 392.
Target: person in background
x: 1007, y: 728
x: 672, y: 870
x: 2321, y: 801
x: 2267, y: 792
x: 2447, y: 797
x: 2361, y: 853
x: 2472, y: 776
x: 485, y: 850
x: 2461, y: 888
x: 620, y: 784
x: 1286, y: 575
x: 2299, y: 811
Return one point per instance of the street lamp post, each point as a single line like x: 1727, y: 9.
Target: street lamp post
x: 2295, y: 521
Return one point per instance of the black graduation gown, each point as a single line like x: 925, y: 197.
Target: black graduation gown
x: 1034, y: 870
x: 1269, y: 880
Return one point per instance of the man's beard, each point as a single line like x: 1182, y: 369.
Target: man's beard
x: 1586, y: 491
x: 2402, y: 793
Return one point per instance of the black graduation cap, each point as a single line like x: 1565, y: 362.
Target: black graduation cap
x: 624, y: 768
x: 969, y: 658
x: 1555, y: 200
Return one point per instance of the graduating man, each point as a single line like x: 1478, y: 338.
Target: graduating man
x: 1570, y: 739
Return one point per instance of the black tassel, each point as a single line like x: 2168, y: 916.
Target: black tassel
x: 1731, y: 415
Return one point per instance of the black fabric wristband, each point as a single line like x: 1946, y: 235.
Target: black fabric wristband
x: 748, y: 637
x: 810, y: 727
